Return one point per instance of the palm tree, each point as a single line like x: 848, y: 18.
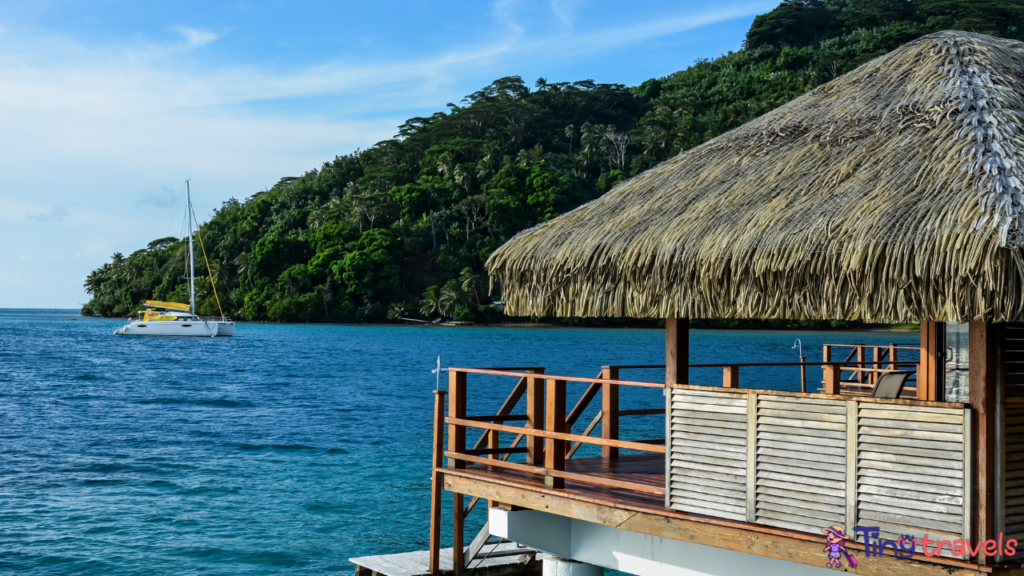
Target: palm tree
x: 570, y: 133
x: 469, y: 281
x: 244, y: 264
x: 398, y: 310
x: 590, y: 140
x: 528, y: 157
x: 452, y: 298
x: 492, y: 156
x: 332, y: 211
x: 463, y: 177
x: 446, y: 163
x: 94, y: 281
x: 431, y: 302
x: 326, y: 295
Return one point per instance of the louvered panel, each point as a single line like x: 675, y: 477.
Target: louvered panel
x: 1013, y: 360
x: 801, y: 463
x: 1013, y: 469
x: 708, y: 456
x: 911, y: 477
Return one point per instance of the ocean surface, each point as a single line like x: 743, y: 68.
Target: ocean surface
x: 286, y: 449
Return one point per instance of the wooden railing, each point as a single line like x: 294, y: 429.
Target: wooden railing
x: 832, y: 372
x: 861, y: 373
x: 546, y: 428
x: 545, y: 452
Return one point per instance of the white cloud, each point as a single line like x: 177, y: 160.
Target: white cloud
x: 565, y: 10
x: 194, y: 37
x: 53, y: 215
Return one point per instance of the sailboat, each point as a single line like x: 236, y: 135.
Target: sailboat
x: 173, y: 319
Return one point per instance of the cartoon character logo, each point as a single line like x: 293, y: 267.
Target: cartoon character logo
x: 835, y: 546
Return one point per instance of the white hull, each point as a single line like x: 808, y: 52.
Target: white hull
x: 207, y: 328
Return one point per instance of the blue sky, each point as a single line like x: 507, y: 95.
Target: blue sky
x: 108, y: 106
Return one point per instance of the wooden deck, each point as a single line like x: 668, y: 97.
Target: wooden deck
x: 646, y: 469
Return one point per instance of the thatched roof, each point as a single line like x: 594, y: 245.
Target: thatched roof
x: 893, y: 193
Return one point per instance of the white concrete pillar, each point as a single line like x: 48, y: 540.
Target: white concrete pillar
x: 554, y: 566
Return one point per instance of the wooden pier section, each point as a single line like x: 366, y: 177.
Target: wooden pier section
x: 745, y: 470
x: 497, y: 558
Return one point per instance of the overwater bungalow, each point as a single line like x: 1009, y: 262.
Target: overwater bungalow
x: 891, y: 194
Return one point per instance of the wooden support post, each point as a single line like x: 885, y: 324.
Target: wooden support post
x: 456, y: 409
x: 932, y: 369
x: 832, y: 372
x: 860, y: 358
x: 535, y: 420
x: 436, y: 488
x: 825, y: 357
x: 803, y: 374
x: 982, y: 395
x: 877, y: 357
x: 731, y: 376
x: 458, y: 525
x: 677, y: 350
x: 610, y: 412
x: 554, y: 450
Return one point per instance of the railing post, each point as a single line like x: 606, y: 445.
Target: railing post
x: 860, y: 359
x: 826, y: 357
x: 456, y: 409
x: 731, y: 376
x: 435, y: 486
x: 931, y: 367
x: 803, y: 374
x: 554, y: 451
x: 873, y: 377
x: 832, y: 372
x: 610, y: 412
x: 535, y: 418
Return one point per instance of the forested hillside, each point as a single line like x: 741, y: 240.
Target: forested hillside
x: 402, y: 229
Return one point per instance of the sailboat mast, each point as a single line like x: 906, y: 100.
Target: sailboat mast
x: 191, y: 254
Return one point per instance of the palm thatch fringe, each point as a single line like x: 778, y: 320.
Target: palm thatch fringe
x: 894, y: 193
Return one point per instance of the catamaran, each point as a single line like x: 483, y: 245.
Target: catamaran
x: 172, y: 318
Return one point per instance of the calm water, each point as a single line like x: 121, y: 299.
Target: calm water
x: 285, y: 449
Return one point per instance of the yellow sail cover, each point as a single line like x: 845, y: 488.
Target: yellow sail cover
x: 152, y: 315
x: 172, y: 305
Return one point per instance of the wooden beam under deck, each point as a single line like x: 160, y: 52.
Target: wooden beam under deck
x: 646, y: 514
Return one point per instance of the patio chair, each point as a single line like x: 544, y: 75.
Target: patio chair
x: 891, y: 385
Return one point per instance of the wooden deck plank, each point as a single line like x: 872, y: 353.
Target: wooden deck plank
x: 493, y: 555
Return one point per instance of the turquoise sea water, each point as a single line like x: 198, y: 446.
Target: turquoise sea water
x: 285, y: 449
